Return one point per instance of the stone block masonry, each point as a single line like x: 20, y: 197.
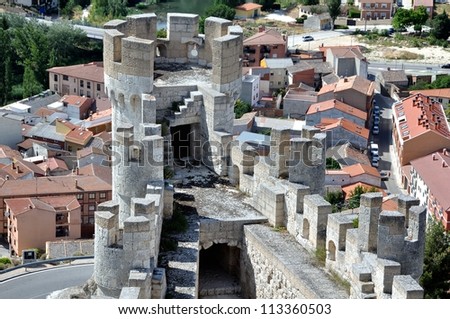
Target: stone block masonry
x: 274, y: 265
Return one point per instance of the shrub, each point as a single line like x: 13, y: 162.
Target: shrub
x: 354, y: 13
x: 5, y: 260
x: 178, y: 223
x: 142, y: 5
x: 299, y: 20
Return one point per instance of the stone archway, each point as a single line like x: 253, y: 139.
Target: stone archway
x: 219, y: 271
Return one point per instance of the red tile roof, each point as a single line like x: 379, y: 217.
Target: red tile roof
x: 356, y: 83
x: 28, y: 143
x: 19, y: 206
x: 53, y: 164
x: 79, y: 136
x: 53, y: 185
x: 267, y: 37
x: 91, y: 71
x: 15, y: 170
x: 77, y: 101
x: 103, y: 172
x: 359, y: 169
x: 418, y: 114
x: 248, y: 6
x: 442, y: 93
x: 329, y: 124
x: 434, y: 169
x: 338, y: 105
x: 348, y: 189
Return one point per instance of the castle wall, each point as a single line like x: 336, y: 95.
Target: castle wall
x: 275, y: 266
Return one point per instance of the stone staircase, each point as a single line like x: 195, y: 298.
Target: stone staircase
x: 365, y: 287
x: 190, y: 111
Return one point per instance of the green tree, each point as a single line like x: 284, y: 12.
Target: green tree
x: 402, y: 18
x: 5, y: 61
x: 266, y: 4
x: 336, y: 199
x: 435, y: 279
x: 229, y: 3
x: 440, y: 26
x: 415, y: 17
x: 221, y: 11
x: 240, y: 108
x: 334, y: 8
x: 419, y: 17
x: 331, y: 163
x: 355, y: 195
x: 31, y: 85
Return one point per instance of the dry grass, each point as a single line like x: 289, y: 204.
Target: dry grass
x: 394, y: 54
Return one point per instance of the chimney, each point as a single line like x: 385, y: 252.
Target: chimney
x: 13, y: 165
x: 18, y: 169
x: 434, y: 156
x: 78, y: 171
x: 444, y: 164
x: 444, y: 150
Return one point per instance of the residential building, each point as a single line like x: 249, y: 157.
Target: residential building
x: 334, y: 109
x: 264, y: 44
x: 33, y: 221
x: 296, y: 102
x: 77, y: 107
x: 54, y: 167
x: 248, y: 11
x: 318, y: 22
x: 375, y: 9
x: 341, y: 131
x: 347, y: 61
x: 89, y: 191
x: 429, y: 181
x: 440, y: 95
x: 349, y: 190
x: 301, y: 73
x: 428, y: 4
x: 10, y: 128
x: 279, y: 76
x: 353, y: 174
x: 250, y: 89
x: 419, y: 128
x: 355, y: 91
x: 347, y: 155
x: 81, y: 79
x: 91, y: 155
x: 99, y: 121
x: 392, y: 77
x: 16, y: 170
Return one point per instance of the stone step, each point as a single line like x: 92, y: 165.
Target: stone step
x: 367, y: 287
x: 361, y: 273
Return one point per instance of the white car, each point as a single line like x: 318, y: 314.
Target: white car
x: 375, y: 162
x: 376, y: 130
x: 374, y: 149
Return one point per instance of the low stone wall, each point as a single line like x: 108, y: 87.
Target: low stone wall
x: 274, y: 265
x: 63, y: 248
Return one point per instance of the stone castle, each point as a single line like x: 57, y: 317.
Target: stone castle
x: 201, y: 74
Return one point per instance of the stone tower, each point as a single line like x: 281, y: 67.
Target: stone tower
x: 128, y: 228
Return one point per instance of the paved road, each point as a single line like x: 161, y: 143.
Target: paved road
x: 38, y: 285
x: 384, y: 140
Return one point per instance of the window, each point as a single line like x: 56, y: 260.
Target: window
x: 91, y: 220
x: 383, y: 14
x: 98, y: 87
x: 384, y: 5
x: 55, y: 77
x: 88, y: 94
x: 88, y: 85
x: 85, y: 219
x: 81, y: 92
x: 65, y: 78
x: 81, y: 83
x: 79, y: 196
x: 62, y: 231
x: 102, y: 195
x: 55, y: 87
x: 91, y: 195
x: 74, y: 90
x: 440, y: 100
x: 91, y: 207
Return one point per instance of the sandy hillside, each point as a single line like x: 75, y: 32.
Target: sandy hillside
x: 431, y: 55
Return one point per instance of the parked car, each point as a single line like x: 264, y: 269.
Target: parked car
x: 375, y: 162
x: 376, y: 120
x: 376, y: 130
x: 374, y: 149
x: 446, y: 66
x: 385, y: 175
x: 307, y: 38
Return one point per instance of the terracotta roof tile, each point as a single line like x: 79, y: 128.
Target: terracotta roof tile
x: 248, y: 6
x: 418, y: 114
x: 53, y: 185
x: 338, y: 105
x: 77, y: 101
x: 357, y: 83
x: 91, y: 71
x: 434, y: 169
x: 442, y: 93
x: 53, y: 164
x: 79, y: 136
x: 329, y: 124
x: 348, y: 189
x: 103, y: 172
x: 359, y: 169
x: 267, y: 37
